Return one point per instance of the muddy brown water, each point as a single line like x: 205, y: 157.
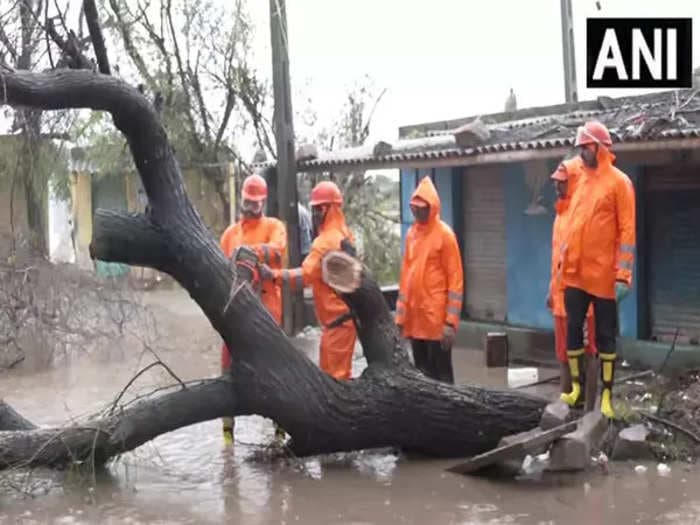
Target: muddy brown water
x: 187, y: 476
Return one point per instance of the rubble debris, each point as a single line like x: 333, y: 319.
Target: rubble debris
x: 522, y: 443
x: 471, y: 134
x: 632, y: 443
x: 554, y: 415
x: 573, y: 451
x: 306, y: 152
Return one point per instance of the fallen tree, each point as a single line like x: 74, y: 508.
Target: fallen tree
x: 390, y: 404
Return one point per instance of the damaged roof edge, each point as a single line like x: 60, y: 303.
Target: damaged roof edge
x: 534, y: 112
x: 493, y: 154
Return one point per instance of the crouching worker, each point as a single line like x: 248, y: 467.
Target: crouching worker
x: 431, y: 286
x: 338, y: 334
x: 565, y: 178
x: 266, y: 237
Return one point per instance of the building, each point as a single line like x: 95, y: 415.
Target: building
x: 492, y: 174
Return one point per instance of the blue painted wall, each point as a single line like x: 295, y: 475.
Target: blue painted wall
x: 444, y: 182
x: 528, y: 251
x: 528, y: 243
x: 630, y: 310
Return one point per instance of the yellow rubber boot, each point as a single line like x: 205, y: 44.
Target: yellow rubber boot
x: 574, y: 357
x: 228, y: 431
x: 607, y: 374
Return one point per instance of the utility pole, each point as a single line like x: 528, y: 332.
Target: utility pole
x: 286, y: 163
x: 567, y: 39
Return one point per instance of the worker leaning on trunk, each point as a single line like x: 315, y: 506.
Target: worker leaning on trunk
x: 431, y: 286
x: 565, y: 178
x: 338, y: 333
x: 597, y: 255
x: 267, y: 237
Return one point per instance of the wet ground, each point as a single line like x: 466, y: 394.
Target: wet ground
x: 187, y: 476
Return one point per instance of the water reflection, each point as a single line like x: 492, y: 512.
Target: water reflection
x: 187, y: 476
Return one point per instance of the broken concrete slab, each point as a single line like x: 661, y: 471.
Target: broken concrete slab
x: 632, y: 443
x: 526, y: 438
x: 573, y: 451
x: 554, y: 415
x: 516, y: 448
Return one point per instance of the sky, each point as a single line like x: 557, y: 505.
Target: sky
x: 441, y: 59
x: 437, y: 59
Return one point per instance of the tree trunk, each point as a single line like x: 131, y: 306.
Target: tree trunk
x: 391, y: 404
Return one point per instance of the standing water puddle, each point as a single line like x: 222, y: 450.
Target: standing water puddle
x: 186, y: 476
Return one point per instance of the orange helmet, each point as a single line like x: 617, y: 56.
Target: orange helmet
x: 593, y: 132
x: 325, y: 192
x: 254, y: 188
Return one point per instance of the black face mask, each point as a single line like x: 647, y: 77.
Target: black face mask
x: 590, y: 157
x: 318, y: 216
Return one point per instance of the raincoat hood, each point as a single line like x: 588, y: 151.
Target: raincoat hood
x: 426, y: 190
x: 335, y: 220
x: 573, y: 173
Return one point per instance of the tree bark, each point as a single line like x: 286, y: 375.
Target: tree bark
x: 391, y: 404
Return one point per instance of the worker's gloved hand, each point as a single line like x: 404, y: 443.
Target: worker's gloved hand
x: 266, y: 273
x: 448, y: 337
x: 621, y: 291
x: 548, y: 301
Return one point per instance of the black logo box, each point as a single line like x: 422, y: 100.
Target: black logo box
x: 595, y: 32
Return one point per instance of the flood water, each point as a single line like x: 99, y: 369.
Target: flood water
x: 187, y: 476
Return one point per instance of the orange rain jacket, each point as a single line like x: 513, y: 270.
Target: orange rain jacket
x: 337, y: 342
x: 432, y: 280
x: 573, y: 168
x: 267, y: 236
x: 600, y: 232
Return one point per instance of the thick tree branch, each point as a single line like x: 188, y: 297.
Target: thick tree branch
x: 128, y: 428
x: 98, y: 41
x: 129, y: 239
x: 391, y: 404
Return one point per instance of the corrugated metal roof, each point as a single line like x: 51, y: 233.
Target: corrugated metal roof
x: 661, y: 116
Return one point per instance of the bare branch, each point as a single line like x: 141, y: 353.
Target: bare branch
x: 98, y: 42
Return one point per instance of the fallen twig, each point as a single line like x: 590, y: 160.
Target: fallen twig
x: 140, y: 373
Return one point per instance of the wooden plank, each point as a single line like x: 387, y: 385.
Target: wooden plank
x: 513, y: 450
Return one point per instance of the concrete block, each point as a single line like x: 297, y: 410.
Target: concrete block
x: 573, y: 451
x: 554, y: 414
x: 496, y: 349
x: 632, y: 443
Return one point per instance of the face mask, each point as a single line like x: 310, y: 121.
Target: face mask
x: 420, y: 213
x: 561, y: 188
x: 318, y: 216
x: 252, y: 209
x: 590, y: 156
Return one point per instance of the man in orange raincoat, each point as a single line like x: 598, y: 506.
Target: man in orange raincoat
x: 431, y: 286
x: 267, y: 237
x: 338, y: 333
x: 565, y: 178
x: 597, y: 255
